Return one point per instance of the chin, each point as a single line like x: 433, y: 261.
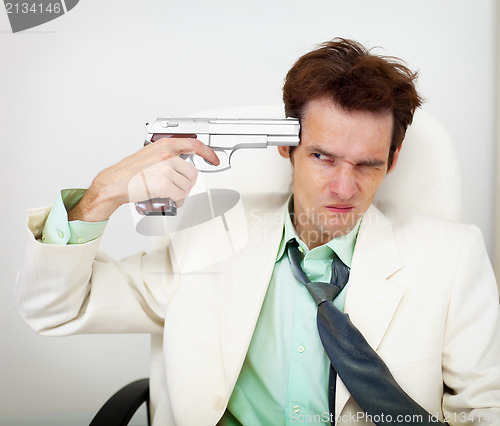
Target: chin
x: 338, y: 232
x: 342, y: 221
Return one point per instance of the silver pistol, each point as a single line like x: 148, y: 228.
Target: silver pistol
x: 224, y: 136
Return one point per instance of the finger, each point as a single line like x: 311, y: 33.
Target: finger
x: 184, y: 167
x: 180, y: 185
x: 192, y: 146
x: 177, y: 194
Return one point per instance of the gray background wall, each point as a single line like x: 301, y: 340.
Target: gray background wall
x: 75, y: 93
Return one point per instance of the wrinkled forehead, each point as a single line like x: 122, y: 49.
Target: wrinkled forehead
x: 325, y: 102
x: 324, y: 121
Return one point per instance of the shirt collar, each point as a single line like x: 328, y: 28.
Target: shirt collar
x: 343, y: 246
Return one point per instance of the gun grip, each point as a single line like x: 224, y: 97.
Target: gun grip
x: 160, y: 206
x: 157, y: 207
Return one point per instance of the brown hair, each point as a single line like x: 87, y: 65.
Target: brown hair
x: 354, y: 79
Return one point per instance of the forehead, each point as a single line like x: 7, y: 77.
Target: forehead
x: 324, y: 122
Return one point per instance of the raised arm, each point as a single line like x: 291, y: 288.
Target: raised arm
x: 65, y: 289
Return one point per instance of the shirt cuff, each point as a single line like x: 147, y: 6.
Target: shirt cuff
x: 58, y: 230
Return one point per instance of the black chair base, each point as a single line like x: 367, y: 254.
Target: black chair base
x: 121, y: 407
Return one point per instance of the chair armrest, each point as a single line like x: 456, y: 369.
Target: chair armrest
x: 121, y: 407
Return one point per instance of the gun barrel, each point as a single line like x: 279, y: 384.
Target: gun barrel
x: 286, y: 127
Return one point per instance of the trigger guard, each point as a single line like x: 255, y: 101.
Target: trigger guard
x: 201, y: 164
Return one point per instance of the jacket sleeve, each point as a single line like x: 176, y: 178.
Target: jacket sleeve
x: 471, y: 351
x: 68, y: 289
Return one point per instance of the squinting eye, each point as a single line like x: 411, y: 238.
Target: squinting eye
x: 321, y: 157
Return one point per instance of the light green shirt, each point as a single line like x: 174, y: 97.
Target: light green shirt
x: 285, y: 374
x: 58, y: 230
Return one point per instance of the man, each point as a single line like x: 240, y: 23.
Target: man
x: 241, y: 345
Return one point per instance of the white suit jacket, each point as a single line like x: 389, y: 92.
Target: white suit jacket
x: 421, y: 291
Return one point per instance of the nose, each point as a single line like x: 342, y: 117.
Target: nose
x: 343, y: 182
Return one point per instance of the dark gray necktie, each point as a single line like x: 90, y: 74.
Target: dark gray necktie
x: 363, y: 372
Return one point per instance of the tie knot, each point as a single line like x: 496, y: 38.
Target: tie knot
x: 320, y: 291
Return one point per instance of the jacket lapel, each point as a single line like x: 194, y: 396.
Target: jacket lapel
x: 372, y: 299
x: 247, y: 277
x: 214, y: 312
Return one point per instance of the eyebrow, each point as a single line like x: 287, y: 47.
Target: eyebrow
x: 370, y: 162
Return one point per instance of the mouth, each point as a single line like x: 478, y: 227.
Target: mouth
x: 340, y: 208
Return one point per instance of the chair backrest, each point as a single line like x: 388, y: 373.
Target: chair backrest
x: 427, y: 177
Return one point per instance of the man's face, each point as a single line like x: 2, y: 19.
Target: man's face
x: 337, y: 168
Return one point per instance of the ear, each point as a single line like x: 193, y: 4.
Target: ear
x: 395, y: 158
x: 284, y: 151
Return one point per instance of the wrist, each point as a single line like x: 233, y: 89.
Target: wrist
x: 97, y: 204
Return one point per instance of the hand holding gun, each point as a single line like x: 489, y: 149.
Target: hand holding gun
x: 224, y: 136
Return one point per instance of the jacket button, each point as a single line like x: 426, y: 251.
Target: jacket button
x: 218, y: 403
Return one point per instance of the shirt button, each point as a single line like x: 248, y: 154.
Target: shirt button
x: 81, y: 240
x: 301, y: 249
x: 60, y: 233
x: 218, y: 403
x: 301, y: 348
x: 296, y: 408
